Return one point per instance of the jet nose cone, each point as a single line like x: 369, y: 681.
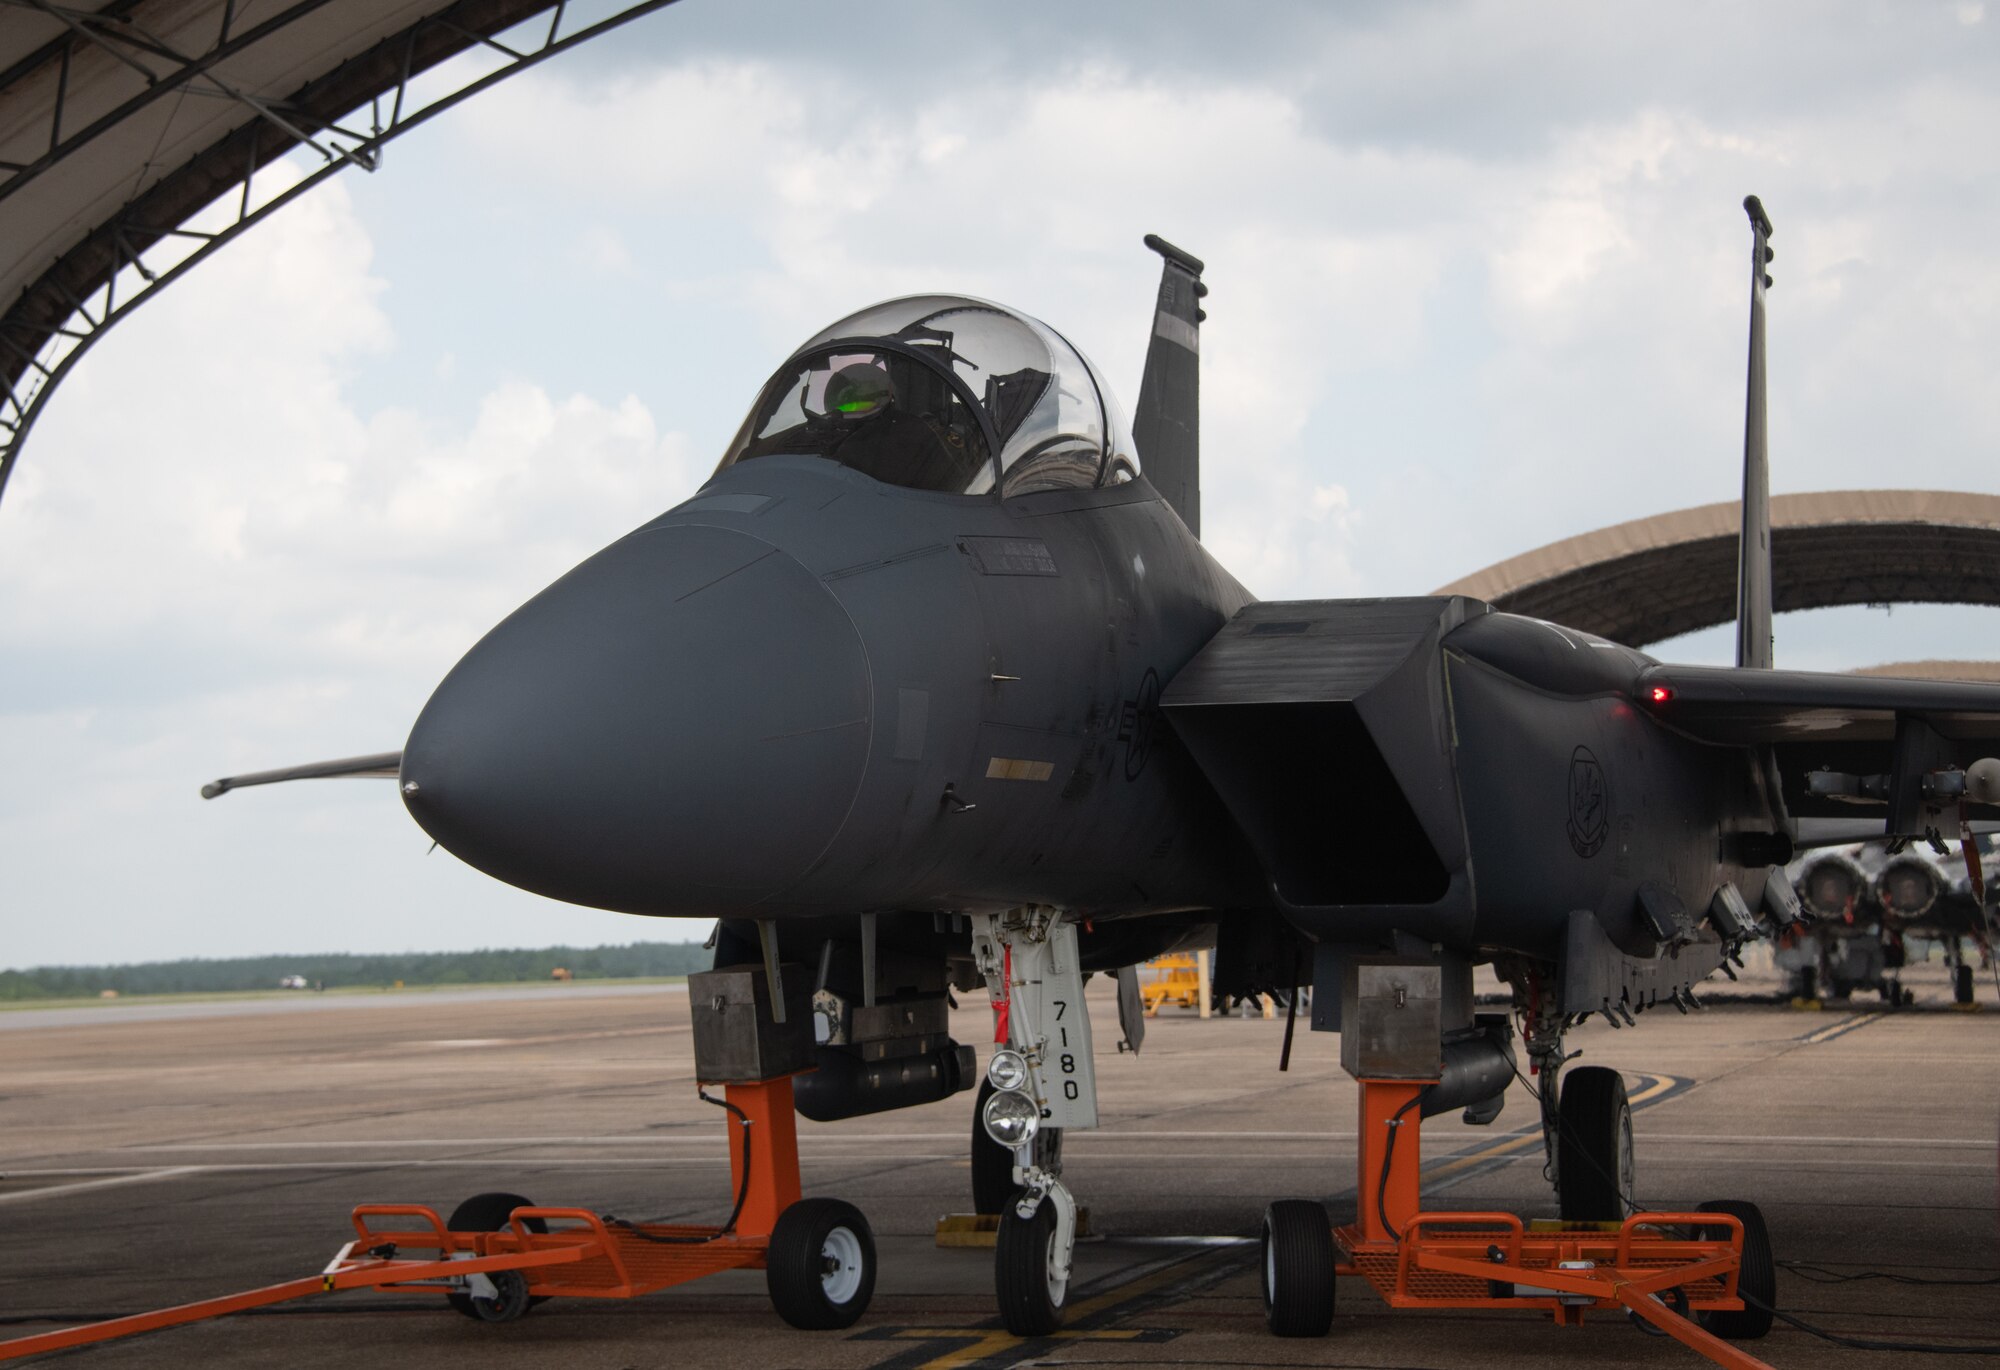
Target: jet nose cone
x: 679, y: 725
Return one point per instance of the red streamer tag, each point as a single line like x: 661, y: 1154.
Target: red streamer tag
x: 1003, y: 1001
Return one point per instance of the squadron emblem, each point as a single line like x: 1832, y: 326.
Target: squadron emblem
x: 1589, y: 804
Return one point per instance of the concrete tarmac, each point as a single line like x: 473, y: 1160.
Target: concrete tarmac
x: 151, y: 1161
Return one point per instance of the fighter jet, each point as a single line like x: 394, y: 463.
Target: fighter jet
x: 933, y: 684
x: 1869, y: 904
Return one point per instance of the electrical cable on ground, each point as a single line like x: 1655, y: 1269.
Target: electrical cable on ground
x: 1819, y: 1274
x: 1868, y: 1344
x: 742, y: 1191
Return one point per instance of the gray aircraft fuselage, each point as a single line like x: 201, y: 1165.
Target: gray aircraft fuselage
x: 805, y: 692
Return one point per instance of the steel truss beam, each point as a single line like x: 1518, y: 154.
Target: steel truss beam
x: 125, y: 261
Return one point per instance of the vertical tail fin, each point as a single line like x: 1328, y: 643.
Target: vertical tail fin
x: 1167, y: 427
x: 1753, y: 567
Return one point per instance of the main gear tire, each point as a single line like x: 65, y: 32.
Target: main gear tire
x: 1298, y: 1269
x: 1756, y: 1281
x: 1594, y: 1165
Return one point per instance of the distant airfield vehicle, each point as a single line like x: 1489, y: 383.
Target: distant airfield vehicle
x: 933, y: 685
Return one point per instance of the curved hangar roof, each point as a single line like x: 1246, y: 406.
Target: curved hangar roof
x: 122, y: 119
x: 1655, y: 578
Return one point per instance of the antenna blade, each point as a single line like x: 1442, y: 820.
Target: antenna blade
x: 1167, y: 425
x: 1753, y: 567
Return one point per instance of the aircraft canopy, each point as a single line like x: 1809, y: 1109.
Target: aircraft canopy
x: 923, y: 392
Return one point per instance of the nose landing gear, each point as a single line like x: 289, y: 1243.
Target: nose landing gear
x: 1041, y: 1079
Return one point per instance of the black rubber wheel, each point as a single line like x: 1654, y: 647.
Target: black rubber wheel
x: 489, y: 1213
x: 1594, y: 1169
x: 993, y: 1164
x: 1675, y: 1299
x: 510, y: 1298
x: 1031, y: 1299
x: 1961, y: 984
x: 1298, y: 1268
x: 820, y: 1268
x: 1756, y: 1283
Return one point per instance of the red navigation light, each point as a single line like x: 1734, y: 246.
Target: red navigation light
x: 1661, y: 694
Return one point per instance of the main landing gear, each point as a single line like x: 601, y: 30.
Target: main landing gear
x: 1586, y: 1119
x: 1040, y: 1081
x: 1704, y: 1277
x: 1697, y: 1276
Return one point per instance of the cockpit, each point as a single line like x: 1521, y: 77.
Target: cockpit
x: 944, y: 393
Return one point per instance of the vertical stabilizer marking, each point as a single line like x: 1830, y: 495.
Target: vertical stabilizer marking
x: 1167, y: 425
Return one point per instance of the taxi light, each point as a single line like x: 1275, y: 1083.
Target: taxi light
x: 1661, y: 694
x: 1011, y: 1118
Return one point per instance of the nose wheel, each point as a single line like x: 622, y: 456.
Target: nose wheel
x: 1040, y: 1081
x: 1031, y: 1268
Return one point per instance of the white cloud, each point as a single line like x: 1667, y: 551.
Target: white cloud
x: 219, y: 558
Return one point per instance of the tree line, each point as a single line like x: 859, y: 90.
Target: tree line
x: 339, y: 969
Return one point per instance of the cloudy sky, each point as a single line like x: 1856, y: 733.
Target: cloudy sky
x: 1478, y: 277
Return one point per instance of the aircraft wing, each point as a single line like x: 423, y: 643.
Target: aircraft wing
x: 1732, y: 705
x: 382, y: 765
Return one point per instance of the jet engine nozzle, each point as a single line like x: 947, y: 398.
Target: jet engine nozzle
x: 1907, y: 887
x: 1831, y: 885
x: 677, y: 726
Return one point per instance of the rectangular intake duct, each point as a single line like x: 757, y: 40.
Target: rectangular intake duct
x: 1325, y: 728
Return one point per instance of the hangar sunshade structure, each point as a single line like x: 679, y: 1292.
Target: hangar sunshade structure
x: 1655, y: 578
x: 132, y: 133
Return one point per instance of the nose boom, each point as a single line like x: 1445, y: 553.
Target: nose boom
x: 677, y: 726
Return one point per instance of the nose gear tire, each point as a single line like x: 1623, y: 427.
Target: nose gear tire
x: 1031, y: 1300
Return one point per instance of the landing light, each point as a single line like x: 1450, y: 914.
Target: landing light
x: 1012, y: 1119
x: 1007, y: 1070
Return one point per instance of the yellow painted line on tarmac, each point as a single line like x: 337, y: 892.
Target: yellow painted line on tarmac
x: 982, y: 1343
x: 1827, y: 1034
x: 1661, y: 1084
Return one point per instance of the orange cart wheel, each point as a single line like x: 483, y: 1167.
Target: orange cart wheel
x: 1298, y: 1268
x: 1756, y: 1283
x: 820, y: 1268
x: 489, y: 1213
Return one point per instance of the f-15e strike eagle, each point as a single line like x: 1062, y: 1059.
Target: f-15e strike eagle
x: 934, y: 684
